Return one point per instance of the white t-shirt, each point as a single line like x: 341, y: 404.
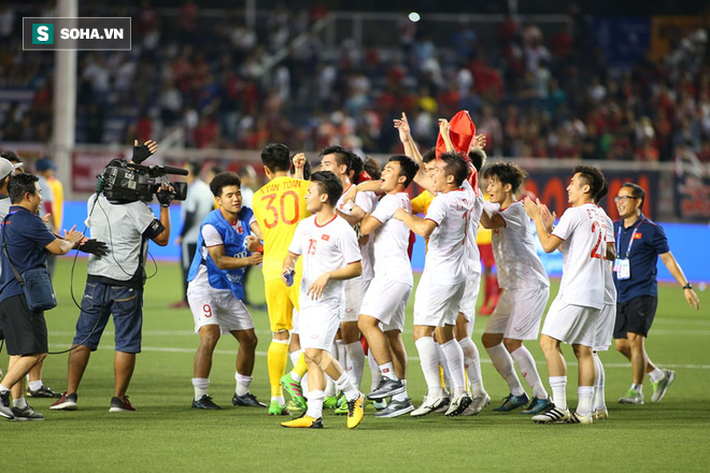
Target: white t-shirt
x: 324, y: 248
x: 366, y: 201
x: 199, y: 201
x: 447, y: 257
x: 391, y: 239
x: 121, y: 227
x: 583, y: 248
x: 609, y: 286
x: 517, y: 261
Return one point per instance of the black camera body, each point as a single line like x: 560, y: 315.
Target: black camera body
x: 123, y: 182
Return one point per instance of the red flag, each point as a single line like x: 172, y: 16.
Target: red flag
x: 462, y: 132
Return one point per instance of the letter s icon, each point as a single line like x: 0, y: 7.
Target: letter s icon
x: 43, y: 33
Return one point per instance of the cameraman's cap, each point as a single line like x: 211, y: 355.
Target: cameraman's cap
x: 7, y: 168
x: 45, y: 164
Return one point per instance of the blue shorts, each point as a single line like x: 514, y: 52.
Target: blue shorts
x: 100, y: 301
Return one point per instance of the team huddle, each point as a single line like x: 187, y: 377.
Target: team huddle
x: 335, y: 247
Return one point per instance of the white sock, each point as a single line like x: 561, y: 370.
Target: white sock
x: 295, y: 355
x: 637, y: 387
x: 472, y: 363
x: 599, y: 400
x: 343, y: 383
x: 584, y: 394
x: 3, y: 388
x: 657, y: 375
x: 315, y: 404
x: 35, y: 385
x: 20, y: 403
x: 526, y: 363
x: 356, y: 362
x: 558, y: 384
x: 387, y: 370
x: 429, y: 360
x: 243, y: 383
x: 503, y: 363
x: 375, y: 372
x: 201, y: 385
x: 454, y: 357
x: 444, y: 366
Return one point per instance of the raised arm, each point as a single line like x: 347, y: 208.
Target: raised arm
x: 549, y: 243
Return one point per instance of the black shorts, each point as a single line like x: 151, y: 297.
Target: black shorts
x: 25, y: 331
x: 635, y: 316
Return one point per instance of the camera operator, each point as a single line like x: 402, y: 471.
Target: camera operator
x: 26, y: 241
x: 114, y: 284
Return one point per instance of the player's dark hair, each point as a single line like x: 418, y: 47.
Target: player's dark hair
x: 222, y: 180
x: 372, y: 167
x: 602, y: 192
x: 195, y: 168
x: 19, y: 184
x: 356, y: 167
x: 328, y: 183
x: 507, y: 173
x: 408, y: 168
x: 429, y: 155
x: 276, y: 157
x: 591, y: 176
x: 477, y: 157
x: 636, y: 191
x: 456, y: 166
x: 10, y: 156
x: 342, y: 156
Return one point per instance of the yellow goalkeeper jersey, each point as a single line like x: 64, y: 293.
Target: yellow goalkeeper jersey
x: 278, y: 207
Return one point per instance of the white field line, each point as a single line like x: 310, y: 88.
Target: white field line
x: 54, y: 346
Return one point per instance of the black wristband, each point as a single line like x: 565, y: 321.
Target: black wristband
x: 688, y: 286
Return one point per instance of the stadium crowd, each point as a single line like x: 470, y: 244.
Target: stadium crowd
x: 532, y: 94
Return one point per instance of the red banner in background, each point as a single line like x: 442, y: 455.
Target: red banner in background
x: 87, y: 165
x: 550, y: 186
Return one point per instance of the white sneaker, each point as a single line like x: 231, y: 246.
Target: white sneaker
x: 458, y: 404
x: 576, y: 418
x: 660, y: 388
x: 552, y: 416
x: 600, y: 414
x: 477, y: 405
x: 428, y: 406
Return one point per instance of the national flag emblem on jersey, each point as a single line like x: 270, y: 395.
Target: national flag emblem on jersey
x: 238, y: 228
x: 325, y: 237
x: 638, y: 236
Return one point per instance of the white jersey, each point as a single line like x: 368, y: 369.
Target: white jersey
x: 324, y: 248
x: 391, y: 239
x: 517, y: 261
x: 447, y: 256
x: 474, y: 253
x: 366, y: 201
x: 609, y: 286
x: 581, y: 230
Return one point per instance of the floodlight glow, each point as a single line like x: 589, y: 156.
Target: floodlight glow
x: 414, y: 17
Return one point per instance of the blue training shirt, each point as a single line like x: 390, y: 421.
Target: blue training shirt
x: 27, y: 236
x: 235, y: 245
x: 649, y: 242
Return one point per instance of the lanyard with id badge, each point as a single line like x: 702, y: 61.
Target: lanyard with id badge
x: 622, y: 266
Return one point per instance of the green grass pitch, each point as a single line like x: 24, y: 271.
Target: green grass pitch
x: 165, y: 434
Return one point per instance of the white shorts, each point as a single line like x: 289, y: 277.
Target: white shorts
x: 318, y: 323
x: 605, y: 328
x: 467, y: 306
x: 218, y: 307
x: 519, y: 312
x: 386, y: 301
x: 572, y: 324
x: 354, y: 290
x: 436, y: 305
